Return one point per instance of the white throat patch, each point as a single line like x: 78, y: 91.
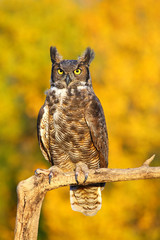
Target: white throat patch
x: 59, y: 92
x: 81, y: 87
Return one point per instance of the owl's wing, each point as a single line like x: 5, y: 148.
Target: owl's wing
x: 95, y: 119
x: 43, y: 132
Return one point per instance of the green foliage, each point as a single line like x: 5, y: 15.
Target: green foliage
x: 126, y: 38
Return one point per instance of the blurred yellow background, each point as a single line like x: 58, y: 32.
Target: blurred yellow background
x: 125, y: 36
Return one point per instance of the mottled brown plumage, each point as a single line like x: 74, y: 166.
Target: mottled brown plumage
x: 71, y: 126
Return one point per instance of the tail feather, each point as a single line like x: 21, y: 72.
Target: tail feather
x: 86, y: 200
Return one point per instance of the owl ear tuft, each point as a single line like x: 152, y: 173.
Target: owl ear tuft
x: 55, y: 56
x: 87, y: 56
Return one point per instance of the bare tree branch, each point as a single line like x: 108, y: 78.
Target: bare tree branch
x: 31, y: 191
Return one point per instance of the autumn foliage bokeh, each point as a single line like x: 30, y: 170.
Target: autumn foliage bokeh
x: 125, y: 36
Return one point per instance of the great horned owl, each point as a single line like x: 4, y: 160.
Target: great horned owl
x: 71, y: 126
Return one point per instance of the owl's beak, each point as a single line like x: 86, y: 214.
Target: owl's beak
x: 68, y: 80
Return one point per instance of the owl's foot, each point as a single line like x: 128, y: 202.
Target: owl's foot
x: 51, y: 172
x: 54, y: 171
x: 81, y: 167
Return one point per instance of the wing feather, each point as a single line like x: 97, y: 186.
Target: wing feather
x: 95, y: 119
x: 43, y: 132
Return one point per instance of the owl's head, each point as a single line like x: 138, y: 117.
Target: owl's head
x: 70, y: 73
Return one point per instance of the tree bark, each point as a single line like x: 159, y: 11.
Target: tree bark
x: 31, y: 191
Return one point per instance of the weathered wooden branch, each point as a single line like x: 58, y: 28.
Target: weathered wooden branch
x: 31, y: 192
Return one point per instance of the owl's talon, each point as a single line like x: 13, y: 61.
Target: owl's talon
x: 86, y: 176
x: 76, y: 177
x: 41, y: 171
x: 36, y: 172
x: 50, y: 177
x: 53, y: 171
x: 81, y: 167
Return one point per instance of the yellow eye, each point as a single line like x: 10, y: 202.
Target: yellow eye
x: 77, y: 71
x: 60, y: 71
